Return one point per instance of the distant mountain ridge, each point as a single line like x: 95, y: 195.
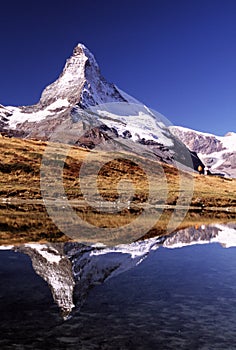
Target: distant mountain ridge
x: 218, y: 153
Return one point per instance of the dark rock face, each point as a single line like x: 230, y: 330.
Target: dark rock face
x: 5, y: 114
x: 197, y: 163
x: 97, y: 136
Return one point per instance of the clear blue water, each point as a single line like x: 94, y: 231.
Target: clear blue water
x: 176, y: 299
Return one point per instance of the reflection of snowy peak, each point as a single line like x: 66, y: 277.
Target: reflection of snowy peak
x: 72, y: 269
x: 94, y: 265
x: 223, y: 234
x: 50, y: 262
x: 218, y: 153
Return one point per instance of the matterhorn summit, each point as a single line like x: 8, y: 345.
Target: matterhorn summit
x: 82, y: 94
x: 80, y: 83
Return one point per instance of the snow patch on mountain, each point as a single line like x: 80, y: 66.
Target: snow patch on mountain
x: 140, y: 125
x: 18, y: 116
x: 51, y: 255
x: 135, y: 250
x: 6, y: 247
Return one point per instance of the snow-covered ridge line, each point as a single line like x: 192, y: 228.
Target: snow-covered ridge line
x: 228, y: 140
x: 18, y: 116
x: 135, y: 249
x: 185, y: 129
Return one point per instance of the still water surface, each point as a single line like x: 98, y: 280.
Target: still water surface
x: 182, y: 298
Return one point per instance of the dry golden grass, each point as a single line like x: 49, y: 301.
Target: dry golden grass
x: 23, y: 216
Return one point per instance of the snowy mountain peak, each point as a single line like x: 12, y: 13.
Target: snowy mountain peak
x: 81, y: 86
x: 82, y: 50
x: 80, y: 83
x: 70, y: 83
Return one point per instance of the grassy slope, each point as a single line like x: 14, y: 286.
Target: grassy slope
x: 24, y: 218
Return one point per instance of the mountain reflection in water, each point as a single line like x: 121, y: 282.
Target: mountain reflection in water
x: 71, y: 270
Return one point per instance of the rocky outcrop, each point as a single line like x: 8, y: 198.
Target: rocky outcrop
x: 5, y: 114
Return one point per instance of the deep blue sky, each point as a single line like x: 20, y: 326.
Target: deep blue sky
x: 177, y: 56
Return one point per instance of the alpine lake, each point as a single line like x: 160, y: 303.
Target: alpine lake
x: 175, y: 291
